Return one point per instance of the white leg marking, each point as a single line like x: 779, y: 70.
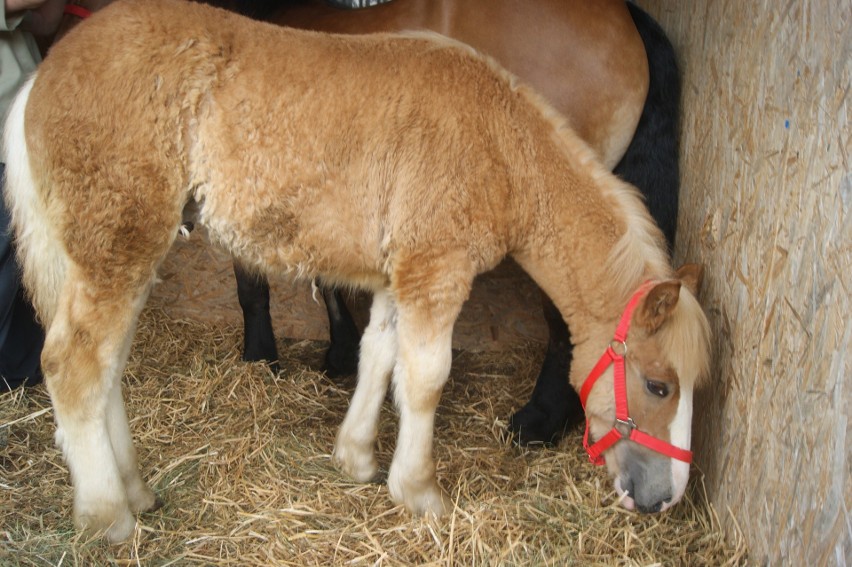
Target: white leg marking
x: 139, y: 496
x: 100, y: 502
x: 354, y: 450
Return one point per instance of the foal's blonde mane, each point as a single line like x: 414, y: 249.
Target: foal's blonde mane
x: 640, y: 254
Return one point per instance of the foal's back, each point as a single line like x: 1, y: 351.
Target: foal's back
x: 308, y: 152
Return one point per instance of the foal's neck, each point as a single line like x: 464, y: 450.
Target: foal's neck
x: 591, y: 243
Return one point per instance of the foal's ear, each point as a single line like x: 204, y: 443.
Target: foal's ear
x: 657, y: 305
x: 691, y: 275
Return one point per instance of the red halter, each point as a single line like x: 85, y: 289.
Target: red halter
x: 624, y: 427
x: 79, y: 11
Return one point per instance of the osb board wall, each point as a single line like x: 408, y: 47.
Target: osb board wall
x: 766, y: 201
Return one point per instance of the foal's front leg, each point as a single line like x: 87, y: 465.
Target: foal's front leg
x: 422, y: 369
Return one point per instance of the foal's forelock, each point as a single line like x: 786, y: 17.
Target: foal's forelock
x: 685, y: 338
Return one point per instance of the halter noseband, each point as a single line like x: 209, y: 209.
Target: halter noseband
x: 624, y: 427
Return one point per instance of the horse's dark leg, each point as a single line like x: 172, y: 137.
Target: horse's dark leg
x: 342, y: 356
x: 253, y: 293
x: 554, y: 405
x: 651, y: 164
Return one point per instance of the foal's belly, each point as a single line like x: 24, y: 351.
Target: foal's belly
x: 304, y: 233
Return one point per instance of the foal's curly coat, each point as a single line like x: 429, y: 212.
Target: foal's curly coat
x: 403, y: 164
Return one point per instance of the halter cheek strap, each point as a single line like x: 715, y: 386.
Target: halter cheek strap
x: 624, y: 427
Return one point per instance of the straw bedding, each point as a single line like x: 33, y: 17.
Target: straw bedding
x: 241, y: 458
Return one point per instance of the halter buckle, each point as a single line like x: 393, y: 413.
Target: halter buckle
x: 625, y: 427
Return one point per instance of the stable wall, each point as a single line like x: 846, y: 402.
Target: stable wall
x: 765, y: 205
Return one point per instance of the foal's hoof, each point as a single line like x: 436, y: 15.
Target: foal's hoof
x: 158, y: 503
x: 425, y: 500
x: 117, y: 525
x: 356, y: 462
x: 140, y: 498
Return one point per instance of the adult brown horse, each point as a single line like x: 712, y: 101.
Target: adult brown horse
x: 593, y: 60
x: 458, y: 166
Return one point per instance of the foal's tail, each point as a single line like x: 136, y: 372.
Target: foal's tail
x: 39, y: 249
x: 651, y: 160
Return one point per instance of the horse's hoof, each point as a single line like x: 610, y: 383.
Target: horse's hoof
x: 341, y: 364
x: 273, y: 365
x: 531, y: 426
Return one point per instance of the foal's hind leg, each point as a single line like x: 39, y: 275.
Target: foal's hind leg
x: 83, y: 359
x: 139, y: 496
x: 354, y: 450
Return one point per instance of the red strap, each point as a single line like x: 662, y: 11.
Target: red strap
x: 624, y: 324
x: 596, y: 373
x: 620, y: 337
x: 79, y: 11
x: 619, y: 386
x: 661, y: 446
x: 597, y: 449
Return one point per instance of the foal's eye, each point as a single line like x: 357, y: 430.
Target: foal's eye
x: 659, y: 389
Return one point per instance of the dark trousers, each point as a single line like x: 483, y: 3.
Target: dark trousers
x: 21, y: 336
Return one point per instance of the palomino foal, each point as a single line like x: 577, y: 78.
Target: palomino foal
x: 450, y: 167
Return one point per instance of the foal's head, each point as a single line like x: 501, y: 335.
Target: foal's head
x: 640, y: 424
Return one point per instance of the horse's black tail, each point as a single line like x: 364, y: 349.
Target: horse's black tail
x: 651, y: 160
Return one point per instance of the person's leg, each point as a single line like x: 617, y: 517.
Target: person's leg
x: 21, y: 336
